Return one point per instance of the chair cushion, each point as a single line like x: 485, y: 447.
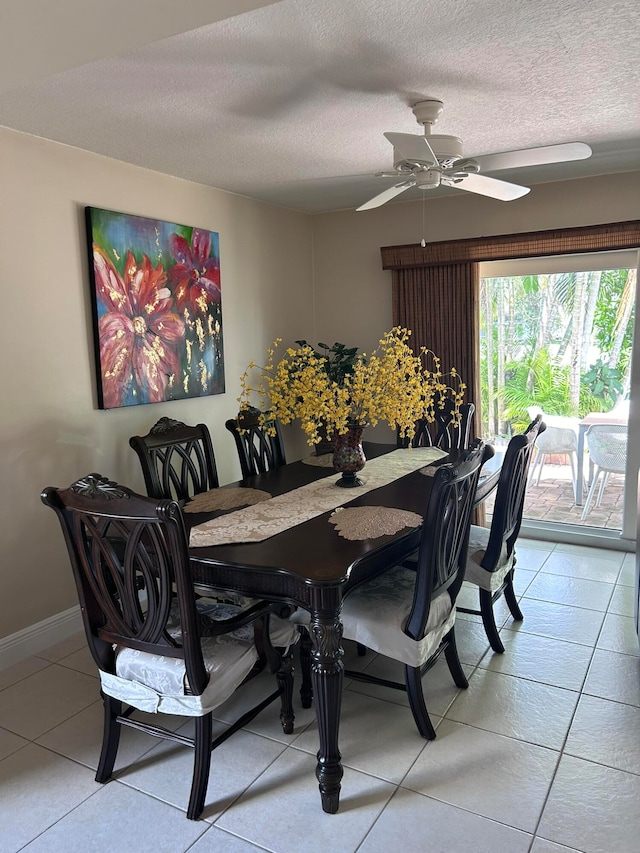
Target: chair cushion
x: 474, y: 572
x: 156, y: 683
x: 375, y: 614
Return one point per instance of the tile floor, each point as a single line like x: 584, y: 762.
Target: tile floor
x: 540, y: 755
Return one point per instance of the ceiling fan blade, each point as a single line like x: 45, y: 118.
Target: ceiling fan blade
x: 387, y: 195
x: 561, y: 153
x: 492, y: 187
x: 410, y: 146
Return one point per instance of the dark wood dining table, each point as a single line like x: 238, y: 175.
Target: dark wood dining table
x: 312, y: 567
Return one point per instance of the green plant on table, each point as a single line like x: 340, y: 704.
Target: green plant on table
x: 339, y: 360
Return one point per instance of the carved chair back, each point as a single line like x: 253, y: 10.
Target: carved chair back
x: 510, y: 495
x: 128, y: 554
x: 445, y: 533
x: 258, y: 452
x: 177, y: 460
x: 443, y: 432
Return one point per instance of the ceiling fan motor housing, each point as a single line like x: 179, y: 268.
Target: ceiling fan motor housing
x: 448, y: 150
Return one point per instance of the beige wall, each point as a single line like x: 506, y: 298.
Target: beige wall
x: 50, y: 429
x: 283, y: 274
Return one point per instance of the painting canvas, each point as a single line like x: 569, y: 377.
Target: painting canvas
x: 157, y: 309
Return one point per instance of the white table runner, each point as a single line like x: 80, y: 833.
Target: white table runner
x: 255, y: 523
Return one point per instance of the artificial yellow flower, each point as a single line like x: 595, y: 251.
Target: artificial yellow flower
x: 390, y: 385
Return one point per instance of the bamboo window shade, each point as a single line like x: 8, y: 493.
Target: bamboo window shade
x: 435, y: 289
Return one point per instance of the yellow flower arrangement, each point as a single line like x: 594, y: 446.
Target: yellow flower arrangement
x: 390, y: 385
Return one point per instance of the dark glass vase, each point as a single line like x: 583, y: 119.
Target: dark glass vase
x: 348, y: 456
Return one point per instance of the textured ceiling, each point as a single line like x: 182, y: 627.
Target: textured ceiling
x: 288, y: 102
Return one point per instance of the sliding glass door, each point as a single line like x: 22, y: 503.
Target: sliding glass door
x: 556, y: 335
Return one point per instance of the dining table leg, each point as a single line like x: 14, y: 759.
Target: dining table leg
x: 327, y: 671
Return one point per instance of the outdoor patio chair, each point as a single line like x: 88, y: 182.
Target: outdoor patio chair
x: 156, y: 651
x: 491, y: 557
x: 408, y: 614
x: 560, y: 438
x: 607, y: 445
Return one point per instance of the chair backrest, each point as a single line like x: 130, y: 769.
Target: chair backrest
x: 560, y: 435
x: 258, y: 452
x: 445, y: 533
x: 443, y: 432
x: 128, y: 553
x: 607, y: 445
x: 177, y: 460
x: 510, y: 494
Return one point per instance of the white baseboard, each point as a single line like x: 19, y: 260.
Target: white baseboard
x: 36, y: 638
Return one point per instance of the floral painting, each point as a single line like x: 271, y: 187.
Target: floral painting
x: 157, y: 309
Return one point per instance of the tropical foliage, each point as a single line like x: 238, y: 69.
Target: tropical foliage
x: 558, y: 341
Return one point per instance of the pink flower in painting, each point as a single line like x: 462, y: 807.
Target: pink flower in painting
x: 138, y: 331
x: 196, y: 275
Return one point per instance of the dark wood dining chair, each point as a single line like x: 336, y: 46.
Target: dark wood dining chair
x: 491, y: 557
x: 177, y: 460
x: 444, y: 432
x: 258, y: 452
x: 409, y: 614
x: 157, y: 650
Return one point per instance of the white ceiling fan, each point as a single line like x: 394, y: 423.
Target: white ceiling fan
x: 435, y: 160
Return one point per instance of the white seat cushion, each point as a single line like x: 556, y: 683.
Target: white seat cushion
x: 474, y: 572
x: 157, y: 683
x: 375, y: 614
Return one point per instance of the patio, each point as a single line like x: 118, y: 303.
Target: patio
x: 552, y: 500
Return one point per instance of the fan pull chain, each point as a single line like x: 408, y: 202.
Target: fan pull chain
x: 423, y: 242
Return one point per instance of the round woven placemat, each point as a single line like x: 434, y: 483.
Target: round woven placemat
x: 369, y: 522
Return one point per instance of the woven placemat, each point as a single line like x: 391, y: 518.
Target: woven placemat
x: 370, y: 522
x: 226, y: 499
